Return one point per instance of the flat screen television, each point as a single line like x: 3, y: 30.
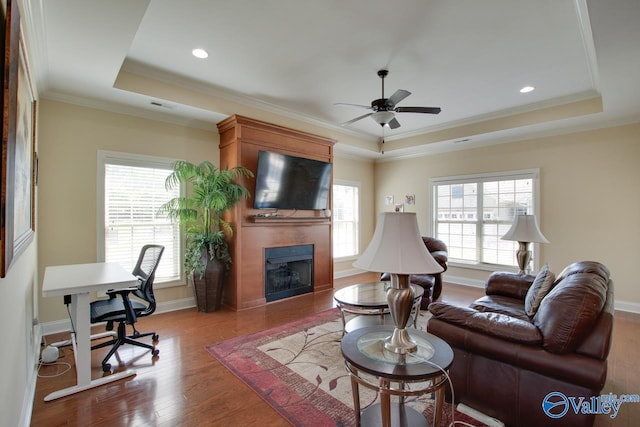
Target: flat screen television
x: 289, y: 182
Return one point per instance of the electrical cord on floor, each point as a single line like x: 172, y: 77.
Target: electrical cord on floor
x: 65, y: 364
x: 67, y: 302
x: 41, y: 364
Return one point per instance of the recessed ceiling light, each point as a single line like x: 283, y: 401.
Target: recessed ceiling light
x: 527, y: 89
x: 199, y: 53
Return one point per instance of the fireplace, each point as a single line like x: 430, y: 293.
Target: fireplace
x: 288, y: 271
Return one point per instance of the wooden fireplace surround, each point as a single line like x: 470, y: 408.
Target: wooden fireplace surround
x: 241, y: 139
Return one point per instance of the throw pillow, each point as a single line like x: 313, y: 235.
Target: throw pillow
x: 538, y: 290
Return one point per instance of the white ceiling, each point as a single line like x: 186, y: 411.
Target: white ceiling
x: 299, y: 58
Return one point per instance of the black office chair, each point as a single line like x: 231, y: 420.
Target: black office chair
x: 124, y: 310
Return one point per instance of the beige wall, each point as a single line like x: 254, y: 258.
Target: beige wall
x: 360, y: 171
x: 70, y: 137
x: 589, y: 196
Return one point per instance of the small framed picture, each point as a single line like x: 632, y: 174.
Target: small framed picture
x: 399, y: 207
x: 410, y: 199
x: 388, y: 200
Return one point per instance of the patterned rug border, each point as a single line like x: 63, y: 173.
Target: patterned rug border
x: 303, y: 412
x: 296, y: 398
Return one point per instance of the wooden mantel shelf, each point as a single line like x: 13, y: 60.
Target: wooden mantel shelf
x: 289, y: 219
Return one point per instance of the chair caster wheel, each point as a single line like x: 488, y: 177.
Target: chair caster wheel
x: 106, y: 367
x: 155, y: 352
x: 155, y: 337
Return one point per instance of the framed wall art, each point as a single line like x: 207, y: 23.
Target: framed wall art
x: 18, y: 146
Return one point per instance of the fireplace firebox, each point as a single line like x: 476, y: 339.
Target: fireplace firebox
x: 288, y: 271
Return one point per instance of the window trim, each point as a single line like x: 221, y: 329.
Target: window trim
x: 134, y: 160
x: 533, y: 174
x: 358, y: 185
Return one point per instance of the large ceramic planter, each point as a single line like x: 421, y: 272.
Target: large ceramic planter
x: 208, y: 288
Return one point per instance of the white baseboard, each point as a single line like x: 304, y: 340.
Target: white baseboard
x: 346, y: 273
x: 465, y: 281
x: 632, y: 307
x: 180, y: 304
x: 445, y: 277
x: 30, y: 391
x: 56, y: 326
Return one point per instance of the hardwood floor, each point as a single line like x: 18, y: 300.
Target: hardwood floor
x: 186, y: 386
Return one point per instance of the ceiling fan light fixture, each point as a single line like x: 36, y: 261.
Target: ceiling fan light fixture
x: 383, y: 117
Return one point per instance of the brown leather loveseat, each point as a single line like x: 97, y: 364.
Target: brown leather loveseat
x: 515, y: 350
x: 432, y: 283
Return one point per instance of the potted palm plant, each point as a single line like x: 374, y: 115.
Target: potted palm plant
x: 212, y: 192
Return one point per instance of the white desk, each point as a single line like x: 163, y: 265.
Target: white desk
x: 79, y: 281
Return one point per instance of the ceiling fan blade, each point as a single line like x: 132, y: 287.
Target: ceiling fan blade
x: 394, y: 123
x: 368, y: 107
x: 355, y: 120
x: 398, y: 96
x: 427, y: 110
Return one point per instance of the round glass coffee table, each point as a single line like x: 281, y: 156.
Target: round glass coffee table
x: 369, y: 364
x: 368, y: 301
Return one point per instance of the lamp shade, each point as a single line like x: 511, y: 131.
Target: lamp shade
x: 397, y: 247
x: 525, y: 229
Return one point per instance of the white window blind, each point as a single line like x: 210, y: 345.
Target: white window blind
x: 134, y: 191
x: 471, y: 213
x: 346, y: 218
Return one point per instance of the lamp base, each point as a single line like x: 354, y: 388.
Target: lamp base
x: 523, y: 255
x: 400, y: 342
x: 400, y: 299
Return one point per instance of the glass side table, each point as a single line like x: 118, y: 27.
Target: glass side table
x: 369, y: 364
x: 368, y: 301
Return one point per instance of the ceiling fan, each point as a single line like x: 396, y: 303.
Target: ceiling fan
x: 384, y: 109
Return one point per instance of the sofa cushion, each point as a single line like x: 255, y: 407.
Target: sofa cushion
x: 569, y: 312
x: 493, y: 324
x: 539, y: 289
x: 509, y: 284
x: 501, y: 304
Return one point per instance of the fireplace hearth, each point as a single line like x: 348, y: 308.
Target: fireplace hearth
x: 288, y: 271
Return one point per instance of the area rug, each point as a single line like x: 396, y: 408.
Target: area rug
x: 299, y: 370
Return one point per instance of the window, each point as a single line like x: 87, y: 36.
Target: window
x: 471, y: 213
x: 346, y: 216
x: 130, y: 192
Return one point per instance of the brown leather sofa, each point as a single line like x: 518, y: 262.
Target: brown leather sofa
x: 506, y: 363
x: 432, y: 283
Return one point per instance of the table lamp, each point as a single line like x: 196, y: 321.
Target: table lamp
x: 524, y: 230
x: 397, y: 248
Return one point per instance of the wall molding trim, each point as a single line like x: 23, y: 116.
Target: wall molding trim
x: 57, y: 326
x: 631, y: 307
x: 621, y: 306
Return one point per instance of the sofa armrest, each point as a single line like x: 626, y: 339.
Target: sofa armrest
x: 509, y: 284
x: 493, y: 324
x: 572, y: 367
